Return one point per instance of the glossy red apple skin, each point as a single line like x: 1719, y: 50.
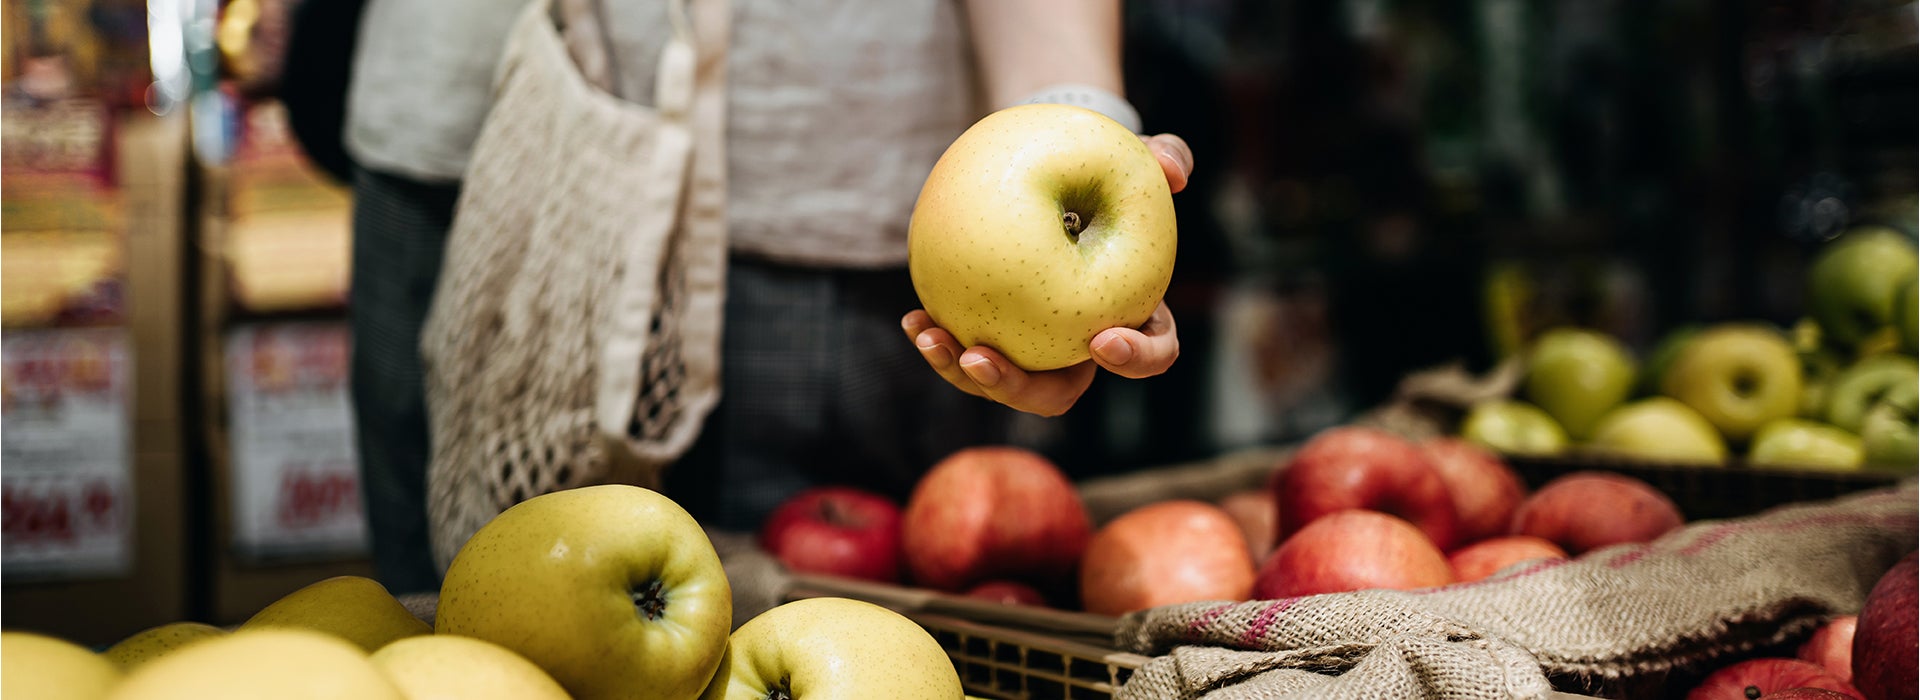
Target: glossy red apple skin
x: 1165, y: 553
x: 1765, y: 676
x: 1486, y: 557
x: 1258, y: 515
x: 836, y: 530
x: 1885, y: 641
x: 1831, y: 646
x: 1806, y: 694
x: 1485, y: 491
x: 1351, y: 468
x: 994, y: 512
x: 1007, y: 593
x: 1585, y: 511
x: 1352, y: 550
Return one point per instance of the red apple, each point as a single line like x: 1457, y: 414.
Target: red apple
x: 1363, y: 468
x: 1007, y: 592
x: 1585, y: 511
x: 1756, y: 678
x: 1831, y: 646
x: 1806, y: 694
x: 1482, y: 559
x: 1884, y: 643
x: 1257, y: 514
x: 1349, y: 551
x: 1485, y: 490
x: 1165, y: 553
x: 836, y: 530
x: 994, y: 512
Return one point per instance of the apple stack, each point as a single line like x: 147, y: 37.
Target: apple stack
x: 1716, y: 605
x: 1837, y: 391
x: 603, y: 592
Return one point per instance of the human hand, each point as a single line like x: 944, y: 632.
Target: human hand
x: 983, y: 371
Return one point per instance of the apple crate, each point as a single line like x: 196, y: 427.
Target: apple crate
x: 1015, y: 652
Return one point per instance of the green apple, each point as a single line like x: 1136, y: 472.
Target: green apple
x: 1658, y: 429
x: 1041, y: 226
x: 1892, y: 439
x: 1798, y: 442
x: 1738, y: 376
x: 1852, y: 281
x: 1906, y: 313
x: 355, y: 608
x: 835, y: 648
x: 1662, y: 356
x: 156, y: 642
x: 1577, y: 375
x: 452, y: 667
x: 39, y: 667
x: 1515, y: 427
x: 614, y: 590
x: 1858, y: 387
x: 284, y: 663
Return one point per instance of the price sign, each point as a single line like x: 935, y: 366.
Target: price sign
x: 66, y: 493
x: 296, y: 484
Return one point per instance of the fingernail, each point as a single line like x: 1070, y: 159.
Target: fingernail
x: 1114, y: 350
x: 925, y: 341
x: 981, y: 370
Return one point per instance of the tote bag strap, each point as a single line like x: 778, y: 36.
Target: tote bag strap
x: 690, y: 160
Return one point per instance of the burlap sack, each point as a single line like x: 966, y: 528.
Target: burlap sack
x: 1592, y: 625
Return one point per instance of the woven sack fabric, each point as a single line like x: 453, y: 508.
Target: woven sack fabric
x: 1594, y: 624
x: 574, y: 335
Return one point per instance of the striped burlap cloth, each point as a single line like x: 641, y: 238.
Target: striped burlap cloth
x: 1614, y: 622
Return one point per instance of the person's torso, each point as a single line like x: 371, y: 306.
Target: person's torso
x: 837, y: 109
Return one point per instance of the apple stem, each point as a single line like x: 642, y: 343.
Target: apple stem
x: 649, y: 601
x: 1071, y: 220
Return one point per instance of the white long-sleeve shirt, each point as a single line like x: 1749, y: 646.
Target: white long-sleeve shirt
x: 836, y: 109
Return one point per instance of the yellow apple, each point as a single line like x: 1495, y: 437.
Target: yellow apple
x: 452, y: 667
x: 1739, y: 376
x: 614, y: 590
x: 159, y: 641
x: 835, y: 648
x: 285, y: 664
x: 1798, y: 442
x: 1039, y: 227
x: 355, y: 608
x: 1659, y: 429
x: 38, y: 667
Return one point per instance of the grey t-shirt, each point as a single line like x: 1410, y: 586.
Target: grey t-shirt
x: 837, y: 109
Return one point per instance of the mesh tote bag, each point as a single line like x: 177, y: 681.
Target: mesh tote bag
x: 574, y: 335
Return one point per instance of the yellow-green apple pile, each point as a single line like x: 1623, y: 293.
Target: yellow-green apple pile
x: 598, y: 592
x: 1836, y: 391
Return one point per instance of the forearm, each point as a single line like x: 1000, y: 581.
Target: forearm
x: 1024, y: 46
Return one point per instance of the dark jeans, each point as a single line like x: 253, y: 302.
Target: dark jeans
x: 820, y: 386
x: 399, y: 232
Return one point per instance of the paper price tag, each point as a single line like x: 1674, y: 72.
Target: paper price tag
x: 296, y: 485
x: 66, y: 494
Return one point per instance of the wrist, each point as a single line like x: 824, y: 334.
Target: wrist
x: 1097, y: 99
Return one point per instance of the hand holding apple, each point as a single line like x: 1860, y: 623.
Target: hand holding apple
x: 1074, y: 215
